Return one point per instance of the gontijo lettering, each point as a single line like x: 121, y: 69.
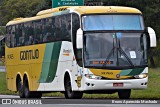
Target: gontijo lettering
x: 29, y: 54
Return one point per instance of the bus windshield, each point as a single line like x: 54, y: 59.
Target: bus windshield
x: 112, y: 22
x: 117, y: 49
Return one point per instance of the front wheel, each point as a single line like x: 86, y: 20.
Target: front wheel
x: 69, y: 94
x: 124, y: 94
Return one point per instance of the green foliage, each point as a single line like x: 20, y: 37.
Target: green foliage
x: 11, y: 9
x: 3, y: 84
x: 2, y: 30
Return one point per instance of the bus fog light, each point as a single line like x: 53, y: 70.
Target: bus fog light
x: 141, y: 76
x: 91, y: 76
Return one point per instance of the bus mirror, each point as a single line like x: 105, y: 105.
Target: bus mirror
x: 79, y: 39
x: 152, y: 36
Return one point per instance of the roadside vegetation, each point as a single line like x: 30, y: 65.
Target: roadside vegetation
x: 152, y: 92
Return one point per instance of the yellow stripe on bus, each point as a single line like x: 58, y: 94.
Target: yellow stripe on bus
x: 112, y: 74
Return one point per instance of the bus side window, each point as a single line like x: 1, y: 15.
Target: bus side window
x: 57, y: 28
x: 17, y: 35
x: 47, y: 30
x: 28, y: 33
x: 8, y: 35
x: 75, y: 27
x: 53, y: 29
x: 13, y: 44
x: 65, y: 27
x: 21, y: 34
x: 38, y: 34
x: 67, y: 21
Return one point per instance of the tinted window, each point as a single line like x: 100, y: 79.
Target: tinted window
x: 8, y: 35
x: 113, y: 22
x: 75, y: 27
x: 38, y: 33
x: 62, y: 28
x: 57, y: 28
x: 13, y: 42
x: 47, y: 30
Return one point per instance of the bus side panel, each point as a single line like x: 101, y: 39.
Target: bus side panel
x: 9, y: 78
x: 67, y: 63
x: 25, y: 60
x: 36, y: 67
x: 36, y: 71
x: 49, y: 66
x: 10, y: 63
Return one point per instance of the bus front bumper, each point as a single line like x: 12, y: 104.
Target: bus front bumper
x: 91, y: 84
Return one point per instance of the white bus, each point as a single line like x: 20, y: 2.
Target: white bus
x: 76, y: 50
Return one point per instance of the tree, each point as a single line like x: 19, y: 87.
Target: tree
x: 11, y: 9
x: 2, y: 30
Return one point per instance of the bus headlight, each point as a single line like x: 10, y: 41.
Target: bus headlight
x: 91, y: 76
x: 141, y: 76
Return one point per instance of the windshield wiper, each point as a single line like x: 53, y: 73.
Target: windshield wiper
x: 110, y: 54
x: 122, y: 52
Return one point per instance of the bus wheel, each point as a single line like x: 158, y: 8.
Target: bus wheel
x: 27, y: 93
x: 20, y: 89
x: 124, y: 94
x: 69, y: 94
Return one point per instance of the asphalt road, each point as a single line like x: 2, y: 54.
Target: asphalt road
x: 62, y: 102
x: 2, y: 69
x: 83, y: 105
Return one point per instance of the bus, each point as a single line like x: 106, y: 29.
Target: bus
x: 76, y: 50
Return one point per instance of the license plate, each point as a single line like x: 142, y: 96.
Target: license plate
x: 117, y: 84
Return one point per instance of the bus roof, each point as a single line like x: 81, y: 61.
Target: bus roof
x: 106, y: 9
x: 80, y: 9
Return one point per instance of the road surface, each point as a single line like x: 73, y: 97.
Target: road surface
x: 62, y: 102
x: 2, y: 69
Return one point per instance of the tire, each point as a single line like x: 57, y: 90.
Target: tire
x: 124, y: 94
x: 27, y: 93
x: 69, y: 94
x: 20, y: 89
x: 30, y: 94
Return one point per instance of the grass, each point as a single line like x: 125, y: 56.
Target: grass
x: 3, y: 84
x: 152, y: 92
